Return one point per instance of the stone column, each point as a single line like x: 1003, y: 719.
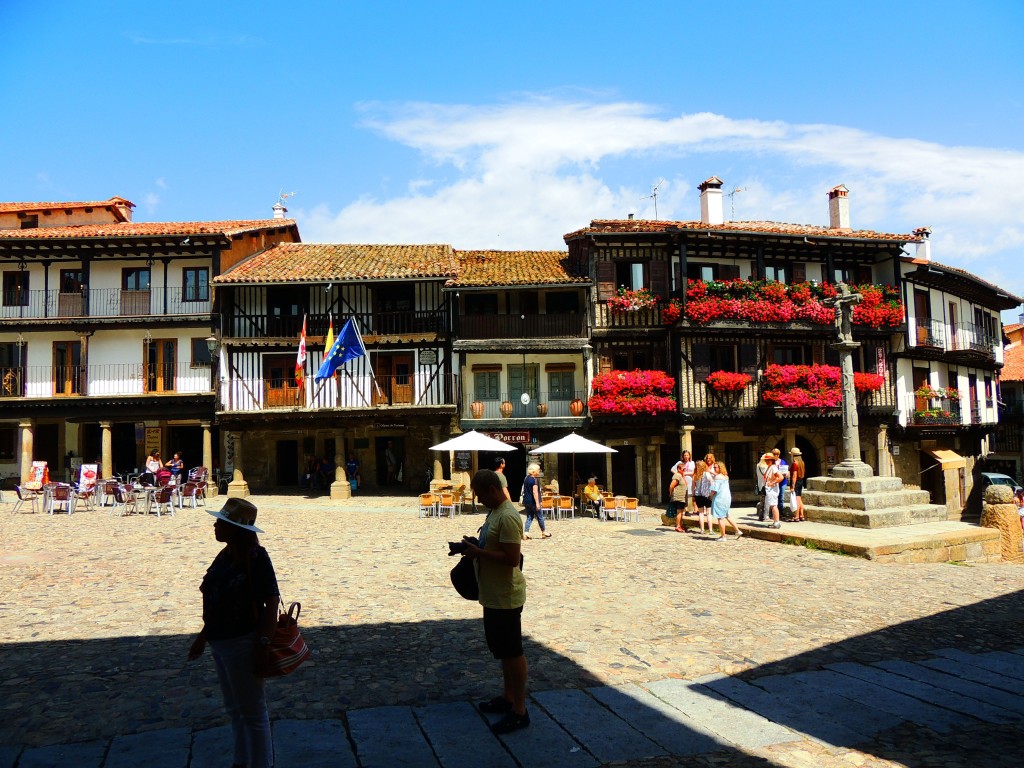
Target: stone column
x: 106, y: 450
x: 341, y: 488
x: 788, y: 441
x: 850, y: 465
x: 435, y: 434
x: 27, y: 429
x: 653, y: 475
x: 686, y: 439
x: 211, y: 487
x: 608, y: 473
x: 237, y: 488
x: 884, y: 459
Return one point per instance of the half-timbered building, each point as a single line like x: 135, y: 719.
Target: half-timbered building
x: 402, y: 392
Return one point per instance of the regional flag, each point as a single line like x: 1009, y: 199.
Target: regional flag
x: 300, y: 359
x: 348, y: 346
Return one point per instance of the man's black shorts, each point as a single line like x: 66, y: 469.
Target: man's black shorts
x: 503, y: 628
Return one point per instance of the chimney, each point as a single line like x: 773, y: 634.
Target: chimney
x: 279, y: 210
x: 839, y: 207
x: 924, y: 248
x: 631, y: 217
x: 711, y: 201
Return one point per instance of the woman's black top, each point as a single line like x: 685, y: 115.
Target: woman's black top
x: 528, y: 499
x: 235, y: 594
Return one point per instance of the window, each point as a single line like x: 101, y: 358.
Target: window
x: 135, y: 279
x: 485, y: 385
x: 704, y: 272
x: 200, y: 354
x: 723, y: 358
x: 30, y: 222
x: 857, y: 274
x: 631, y: 360
x: 481, y: 304
x: 71, y: 280
x: 161, y: 365
x: 67, y: 368
x: 195, y: 284
x: 16, y: 289
x: 797, y: 354
x: 629, y: 274
x: 775, y: 272
x: 562, y: 302
x: 561, y: 385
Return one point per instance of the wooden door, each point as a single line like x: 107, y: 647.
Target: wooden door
x: 282, y: 391
x: 922, y: 312
x: 401, y: 380
x: 954, y: 337
x: 161, y: 365
x: 67, y: 368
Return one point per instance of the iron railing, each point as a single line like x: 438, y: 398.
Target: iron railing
x: 973, y: 338
x: 521, y: 327
x: 369, y: 323
x: 930, y: 333
x: 104, y: 380
x: 103, y: 302
x: 509, y: 405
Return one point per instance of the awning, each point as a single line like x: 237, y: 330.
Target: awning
x: 949, y: 459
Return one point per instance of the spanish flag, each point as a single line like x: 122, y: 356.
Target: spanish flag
x: 329, y: 339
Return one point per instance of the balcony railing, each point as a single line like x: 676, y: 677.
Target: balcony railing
x: 699, y: 396
x: 972, y: 338
x: 103, y: 380
x: 376, y: 323
x: 519, y: 327
x: 361, y: 392
x: 508, y: 405
x: 1008, y: 438
x: 637, y: 319
x: 934, y: 411
x: 102, y: 302
x: 930, y: 333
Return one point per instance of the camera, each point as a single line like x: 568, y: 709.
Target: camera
x: 459, y: 547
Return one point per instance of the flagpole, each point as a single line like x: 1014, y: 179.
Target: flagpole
x: 373, y: 376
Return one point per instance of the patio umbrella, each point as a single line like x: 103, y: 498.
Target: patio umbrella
x: 472, y: 441
x: 573, y: 443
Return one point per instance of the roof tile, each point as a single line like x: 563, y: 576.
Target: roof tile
x: 642, y: 226
x: 144, y: 229
x: 509, y: 268
x: 59, y: 205
x: 1013, y: 364
x: 319, y: 262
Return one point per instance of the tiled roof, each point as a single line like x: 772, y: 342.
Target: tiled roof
x: 144, y: 229
x: 962, y: 273
x: 1011, y: 327
x: 27, y: 207
x: 319, y: 262
x: 1013, y: 364
x: 477, y: 268
x: 641, y: 226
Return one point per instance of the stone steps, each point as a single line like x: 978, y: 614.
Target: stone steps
x: 860, y: 485
x: 876, y: 518
x: 867, y: 502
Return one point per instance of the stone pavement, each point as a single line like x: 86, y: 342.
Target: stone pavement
x: 646, y: 647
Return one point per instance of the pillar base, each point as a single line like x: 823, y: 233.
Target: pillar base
x: 848, y: 469
x: 238, y: 489
x: 341, y: 489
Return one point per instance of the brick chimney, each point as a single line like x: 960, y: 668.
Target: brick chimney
x: 711, y: 201
x: 839, y: 207
x: 924, y: 248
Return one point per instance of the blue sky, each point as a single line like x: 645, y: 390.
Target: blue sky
x: 506, y: 125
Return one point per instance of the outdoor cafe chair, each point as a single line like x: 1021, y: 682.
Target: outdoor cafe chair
x: 632, y: 510
x: 547, y: 506
x: 125, y: 501
x: 164, y: 497
x: 107, y: 490
x: 566, y: 507
x: 446, y: 503
x: 460, y: 498
x: 189, y: 492
x: 25, y: 496
x: 611, y: 508
x: 61, y: 496
x: 427, y: 501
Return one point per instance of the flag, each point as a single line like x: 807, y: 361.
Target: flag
x: 300, y: 359
x: 329, y: 339
x: 348, y: 346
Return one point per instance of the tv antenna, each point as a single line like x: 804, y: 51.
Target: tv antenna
x: 732, y: 201
x: 282, y: 196
x: 654, y: 196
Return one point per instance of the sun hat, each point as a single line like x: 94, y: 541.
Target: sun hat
x: 238, y: 512
x: 768, y: 457
x: 796, y: 452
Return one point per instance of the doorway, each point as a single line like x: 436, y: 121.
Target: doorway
x: 624, y: 471
x: 287, y: 462
x: 46, y: 447
x: 188, y: 441
x: 394, y: 377
x: 397, y: 447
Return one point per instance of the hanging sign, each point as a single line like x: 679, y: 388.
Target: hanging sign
x: 512, y: 436
x: 880, y: 361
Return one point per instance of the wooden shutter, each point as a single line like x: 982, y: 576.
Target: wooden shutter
x: 701, y: 362
x: 605, y: 280
x: 729, y: 271
x: 659, y: 278
x: 748, y: 359
x: 799, y: 273
x: 604, y: 362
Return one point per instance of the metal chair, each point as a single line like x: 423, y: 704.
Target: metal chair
x: 427, y: 501
x: 547, y: 507
x: 631, y: 511
x: 460, y: 498
x: 62, y: 496
x: 26, y: 496
x: 164, y: 497
x: 566, y: 507
x: 611, y: 508
x: 190, y: 492
x: 125, y: 500
x: 446, y: 503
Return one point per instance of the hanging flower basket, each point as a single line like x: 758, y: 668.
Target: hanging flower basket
x: 724, y: 381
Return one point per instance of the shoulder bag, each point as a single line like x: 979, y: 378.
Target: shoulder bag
x: 287, y: 648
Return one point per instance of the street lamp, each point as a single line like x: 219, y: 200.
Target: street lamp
x: 213, y: 345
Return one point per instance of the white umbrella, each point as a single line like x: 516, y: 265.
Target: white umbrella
x: 472, y: 441
x: 573, y: 443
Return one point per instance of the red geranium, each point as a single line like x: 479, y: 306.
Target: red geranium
x: 724, y: 381
x: 868, y: 382
x: 633, y: 392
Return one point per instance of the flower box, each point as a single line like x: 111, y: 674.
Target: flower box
x: 627, y: 300
x: 724, y: 381
x: 633, y: 393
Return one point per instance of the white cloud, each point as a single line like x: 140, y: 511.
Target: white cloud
x: 161, y: 182
x: 528, y: 172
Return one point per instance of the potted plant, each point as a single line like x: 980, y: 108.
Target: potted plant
x: 476, y: 408
x: 542, y: 409
x: 506, y: 409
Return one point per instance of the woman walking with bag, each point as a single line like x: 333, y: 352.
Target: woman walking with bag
x: 240, y: 598
x: 531, y: 501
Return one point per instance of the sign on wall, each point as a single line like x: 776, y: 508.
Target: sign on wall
x: 152, y: 440
x: 880, y: 361
x: 463, y: 461
x: 512, y: 436
x: 428, y: 357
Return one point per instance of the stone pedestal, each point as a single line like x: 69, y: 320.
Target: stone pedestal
x: 860, y: 500
x: 999, y: 511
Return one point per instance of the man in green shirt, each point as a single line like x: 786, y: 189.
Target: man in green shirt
x: 502, y: 595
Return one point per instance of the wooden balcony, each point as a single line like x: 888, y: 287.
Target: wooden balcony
x: 343, y: 392
x: 648, y: 319
x: 520, y: 327
x: 39, y: 381
x: 432, y: 323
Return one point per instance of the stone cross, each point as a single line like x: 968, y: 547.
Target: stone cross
x: 851, y: 465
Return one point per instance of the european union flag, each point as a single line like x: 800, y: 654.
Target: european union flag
x: 348, y: 346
